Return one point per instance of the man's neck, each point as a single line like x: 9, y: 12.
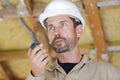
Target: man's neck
x: 73, y: 56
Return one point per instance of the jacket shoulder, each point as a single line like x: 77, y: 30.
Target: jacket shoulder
x: 104, y: 68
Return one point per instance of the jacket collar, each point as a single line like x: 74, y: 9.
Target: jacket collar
x: 84, y: 60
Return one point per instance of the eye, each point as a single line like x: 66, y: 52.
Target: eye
x: 63, y: 24
x: 49, y: 28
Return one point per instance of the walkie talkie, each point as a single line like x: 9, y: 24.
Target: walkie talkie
x: 35, y: 41
x: 31, y: 33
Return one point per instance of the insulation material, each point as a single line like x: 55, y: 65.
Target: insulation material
x: 13, y: 35
x: 86, y: 36
x: 20, y: 67
x: 45, y: 1
x: 111, y: 24
x: 14, y: 2
x: 115, y: 59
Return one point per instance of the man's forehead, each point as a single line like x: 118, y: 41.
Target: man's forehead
x: 58, y: 18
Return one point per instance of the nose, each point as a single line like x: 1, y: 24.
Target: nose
x: 57, y: 35
x: 57, y: 32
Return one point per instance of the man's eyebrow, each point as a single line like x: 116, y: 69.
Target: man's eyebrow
x: 49, y: 25
x: 59, y: 22
x: 63, y: 21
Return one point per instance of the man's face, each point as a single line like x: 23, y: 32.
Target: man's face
x: 61, y: 33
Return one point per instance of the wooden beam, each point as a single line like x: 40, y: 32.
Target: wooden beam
x: 114, y: 43
x: 39, y: 32
x: 38, y: 8
x: 7, y: 73
x: 29, y: 6
x: 10, y: 12
x: 95, y: 26
x: 110, y: 6
x: 3, y: 72
x: 15, y: 54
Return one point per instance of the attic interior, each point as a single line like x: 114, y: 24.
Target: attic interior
x: 100, y: 39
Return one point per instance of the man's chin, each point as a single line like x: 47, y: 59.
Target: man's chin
x: 60, y: 50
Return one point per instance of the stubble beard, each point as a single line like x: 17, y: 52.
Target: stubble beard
x: 66, y: 46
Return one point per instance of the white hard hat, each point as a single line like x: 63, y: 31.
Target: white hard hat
x: 59, y: 7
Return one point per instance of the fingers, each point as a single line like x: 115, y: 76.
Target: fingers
x: 33, y: 52
x: 38, y: 55
x: 42, y: 61
x: 38, y: 58
x: 46, y: 61
x: 41, y: 56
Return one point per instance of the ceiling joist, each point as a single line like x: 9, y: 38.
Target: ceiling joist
x: 107, y: 4
x: 15, y: 54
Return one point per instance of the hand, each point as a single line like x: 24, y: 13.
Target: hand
x: 38, y: 58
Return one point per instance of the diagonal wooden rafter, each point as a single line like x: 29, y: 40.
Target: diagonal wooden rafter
x: 3, y: 72
x: 29, y: 5
x: 39, y: 32
x: 95, y: 26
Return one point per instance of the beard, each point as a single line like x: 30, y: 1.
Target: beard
x: 64, y: 46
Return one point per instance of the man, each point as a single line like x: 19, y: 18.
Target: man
x: 64, y: 25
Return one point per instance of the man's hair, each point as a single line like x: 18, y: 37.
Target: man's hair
x: 75, y: 22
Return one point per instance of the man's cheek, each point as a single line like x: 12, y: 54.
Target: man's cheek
x: 50, y: 41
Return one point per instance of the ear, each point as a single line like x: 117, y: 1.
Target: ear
x: 79, y: 29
